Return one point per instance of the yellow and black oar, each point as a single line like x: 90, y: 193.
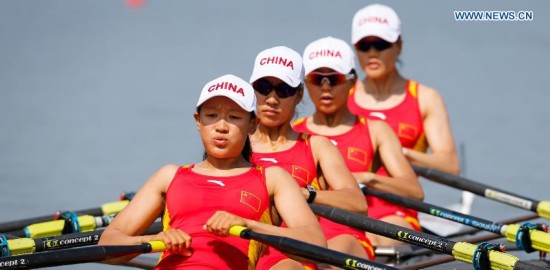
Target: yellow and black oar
x: 528, y: 237
x: 308, y: 251
x: 20, y: 246
x: 66, y: 223
x: 104, y: 210
x: 542, y: 208
x: 77, y: 255
x: 480, y: 256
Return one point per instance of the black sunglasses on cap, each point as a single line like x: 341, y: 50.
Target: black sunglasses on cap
x: 378, y: 45
x: 282, y: 90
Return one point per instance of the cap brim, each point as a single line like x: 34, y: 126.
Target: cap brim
x: 385, y: 34
x: 258, y: 75
x: 328, y: 64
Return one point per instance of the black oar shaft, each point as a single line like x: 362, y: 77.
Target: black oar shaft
x: 312, y: 252
x: 23, y: 246
x: 477, y: 188
x: 71, y: 256
x: 385, y: 229
x: 427, y: 208
x: 462, y: 251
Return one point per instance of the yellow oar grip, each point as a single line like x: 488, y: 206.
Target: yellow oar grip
x: 55, y: 227
x: 113, y: 207
x: 539, y: 240
x: 87, y: 223
x: 463, y: 251
x: 157, y: 246
x: 45, y: 229
x: 543, y: 209
x: 21, y: 246
x: 236, y: 230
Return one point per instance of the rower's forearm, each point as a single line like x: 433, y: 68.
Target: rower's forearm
x: 310, y: 234
x: 402, y: 187
x: 343, y: 199
x: 443, y: 162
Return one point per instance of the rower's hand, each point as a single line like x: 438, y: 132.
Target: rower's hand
x: 175, y: 240
x: 221, y: 221
x: 363, y: 177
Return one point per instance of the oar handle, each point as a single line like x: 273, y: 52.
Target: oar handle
x: 156, y: 246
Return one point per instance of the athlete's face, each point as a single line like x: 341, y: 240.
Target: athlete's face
x: 328, y: 89
x: 224, y: 126
x: 377, y: 62
x: 273, y: 110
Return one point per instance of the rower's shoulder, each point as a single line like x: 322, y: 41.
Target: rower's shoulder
x: 427, y: 91
x: 164, y: 176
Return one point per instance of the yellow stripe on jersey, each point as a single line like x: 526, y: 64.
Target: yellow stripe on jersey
x: 413, y: 88
x: 298, y: 121
x: 421, y: 144
x: 255, y: 248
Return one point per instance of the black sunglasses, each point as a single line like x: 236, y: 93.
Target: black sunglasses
x: 282, y: 90
x: 378, y: 45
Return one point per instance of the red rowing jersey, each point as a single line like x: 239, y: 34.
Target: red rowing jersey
x: 192, y: 198
x: 297, y: 160
x: 407, y: 122
x: 355, y: 146
x: 358, y: 153
x: 405, y: 118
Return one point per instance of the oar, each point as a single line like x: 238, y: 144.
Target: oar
x: 104, y: 210
x: 461, y: 251
x: 77, y: 255
x: 403, y: 252
x: 308, y: 251
x: 20, y: 246
x: 67, y: 223
x: 536, y: 239
x: 542, y: 208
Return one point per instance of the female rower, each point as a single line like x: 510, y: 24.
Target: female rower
x: 416, y: 112
x: 277, y: 79
x: 201, y: 202
x: 365, y: 144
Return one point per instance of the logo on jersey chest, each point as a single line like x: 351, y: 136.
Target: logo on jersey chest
x: 407, y: 131
x: 300, y: 173
x: 358, y: 155
x: 251, y: 200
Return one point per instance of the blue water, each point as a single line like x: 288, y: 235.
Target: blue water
x: 95, y: 96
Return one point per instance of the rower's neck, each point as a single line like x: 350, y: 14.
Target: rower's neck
x: 276, y: 137
x: 340, y: 117
x: 222, y: 166
x: 383, y: 88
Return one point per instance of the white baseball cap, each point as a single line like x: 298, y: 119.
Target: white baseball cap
x: 375, y: 20
x: 233, y: 87
x: 329, y: 52
x: 280, y: 62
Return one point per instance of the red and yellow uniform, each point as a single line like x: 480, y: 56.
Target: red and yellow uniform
x: 406, y: 120
x: 358, y: 155
x: 192, y: 198
x: 299, y: 162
